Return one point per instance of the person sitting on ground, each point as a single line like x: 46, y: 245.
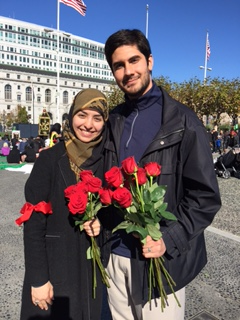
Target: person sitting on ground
x: 5, y: 149
x: 29, y: 154
x: 14, y: 155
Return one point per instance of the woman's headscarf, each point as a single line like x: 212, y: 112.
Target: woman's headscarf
x: 81, y: 153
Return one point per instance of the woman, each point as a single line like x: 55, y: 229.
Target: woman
x: 58, y: 276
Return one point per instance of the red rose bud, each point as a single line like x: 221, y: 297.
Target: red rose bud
x: 70, y: 190
x: 141, y: 176
x: 78, y: 203
x: 85, y: 175
x: 153, y: 169
x: 129, y: 165
x: 114, y: 177
x: 123, y: 197
x: 105, y: 196
x: 94, y: 184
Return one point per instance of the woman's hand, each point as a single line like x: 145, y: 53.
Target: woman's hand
x: 42, y: 296
x: 92, y: 227
x: 153, y: 249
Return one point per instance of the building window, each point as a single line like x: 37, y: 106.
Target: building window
x: 38, y: 99
x: 19, y: 87
x: 29, y: 78
x: 8, y: 107
x: 65, y: 83
x: 89, y: 86
x: 48, y: 80
x: 28, y: 94
x: 47, y: 95
x: 18, y: 77
x: 18, y: 97
x: 74, y: 84
x: 8, y: 92
x: 38, y: 79
x: 65, y: 97
x: 7, y: 75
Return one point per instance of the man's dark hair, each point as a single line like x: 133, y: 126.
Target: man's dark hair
x: 127, y: 37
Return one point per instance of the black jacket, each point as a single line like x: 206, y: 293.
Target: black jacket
x: 55, y: 250
x: 182, y: 149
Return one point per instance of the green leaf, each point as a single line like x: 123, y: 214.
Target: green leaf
x: 146, y: 196
x: 135, y: 217
x: 148, y: 207
x: 122, y: 225
x: 133, y: 209
x: 98, y: 206
x: 160, y: 205
x: 154, y: 232
x: 168, y: 215
x: 89, y: 253
x: 142, y: 232
x: 157, y: 194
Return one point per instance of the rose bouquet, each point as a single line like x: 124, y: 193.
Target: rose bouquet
x: 142, y: 203
x: 84, y: 203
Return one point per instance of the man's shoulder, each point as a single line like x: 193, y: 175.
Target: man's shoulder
x: 118, y: 109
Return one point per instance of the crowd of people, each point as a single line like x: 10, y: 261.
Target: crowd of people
x: 20, y: 150
x: 221, y: 140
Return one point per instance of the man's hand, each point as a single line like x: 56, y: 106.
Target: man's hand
x: 153, y: 249
x: 42, y: 296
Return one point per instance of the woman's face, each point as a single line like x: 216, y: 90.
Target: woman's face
x: 87, y: 124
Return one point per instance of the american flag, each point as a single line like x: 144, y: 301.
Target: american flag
x: 78, y: 5
x: 208, y: 48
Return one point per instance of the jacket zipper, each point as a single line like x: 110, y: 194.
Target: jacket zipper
x: 132, y: 126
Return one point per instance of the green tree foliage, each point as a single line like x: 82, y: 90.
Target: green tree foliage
x: 211, y: 97
x: 22, y: 115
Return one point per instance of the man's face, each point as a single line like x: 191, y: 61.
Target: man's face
x: 132, y: 71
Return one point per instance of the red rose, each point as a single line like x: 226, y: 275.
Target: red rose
x: 70, y: 190
x: 82, y: 187
x: 114, y: 177
x: 153, y: 169
x: 85, y: 175
x: 94, y: 184
x: 123, y: 197
x: 78, y: 202
x: 105, y: 196
x: 129, y: 165
x: 141, y: 176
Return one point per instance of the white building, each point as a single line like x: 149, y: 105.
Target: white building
x: 29, y: 73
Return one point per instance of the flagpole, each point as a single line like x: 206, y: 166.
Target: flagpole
x: 205, y: 64
x: 58, y: 71
x: 147, y: 7
x: 207, y: 54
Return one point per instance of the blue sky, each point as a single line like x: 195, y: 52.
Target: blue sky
x: 176, y: 30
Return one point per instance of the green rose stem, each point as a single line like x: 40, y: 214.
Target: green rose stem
x: 155, y: 279
x: 96, y: 260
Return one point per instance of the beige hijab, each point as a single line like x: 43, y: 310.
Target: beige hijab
x: 79, y: 152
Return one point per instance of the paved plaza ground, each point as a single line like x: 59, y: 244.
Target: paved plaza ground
x: 214, y: 294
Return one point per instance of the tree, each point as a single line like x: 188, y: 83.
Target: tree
x: 22, y: 115
x: 115, y: 97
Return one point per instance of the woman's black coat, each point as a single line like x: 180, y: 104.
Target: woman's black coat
x: 55, y: 250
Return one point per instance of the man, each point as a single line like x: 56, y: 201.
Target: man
x: 153, y: 127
